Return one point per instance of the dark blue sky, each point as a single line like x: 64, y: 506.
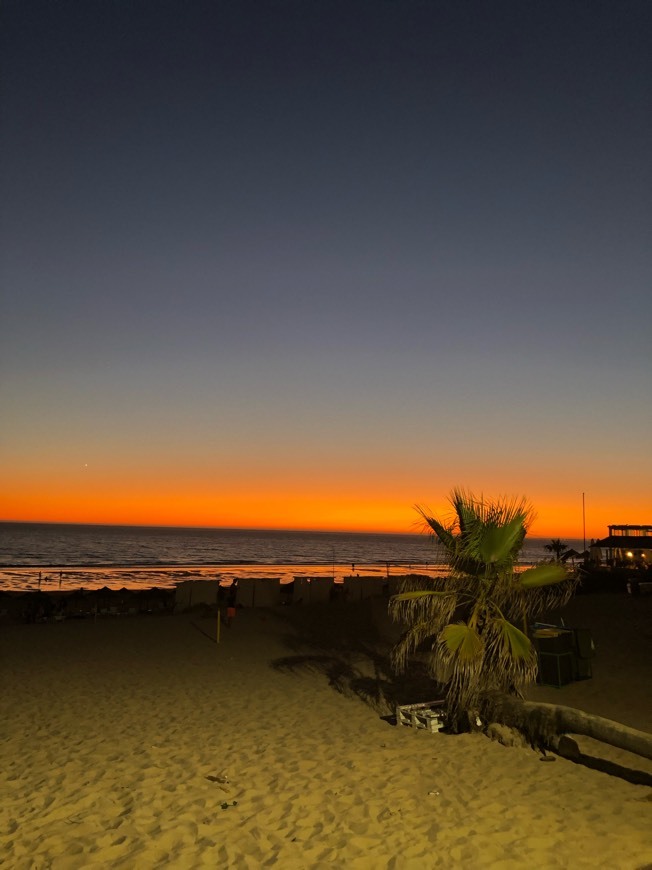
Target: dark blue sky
x: 354, y: 236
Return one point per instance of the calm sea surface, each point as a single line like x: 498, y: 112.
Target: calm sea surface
x: 70, y: 556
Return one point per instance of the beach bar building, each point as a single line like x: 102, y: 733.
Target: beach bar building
x: 627, y: 545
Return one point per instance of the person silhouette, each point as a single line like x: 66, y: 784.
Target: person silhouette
x: 231, y: 601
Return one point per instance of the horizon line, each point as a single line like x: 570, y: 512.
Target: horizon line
x: 308, y: 531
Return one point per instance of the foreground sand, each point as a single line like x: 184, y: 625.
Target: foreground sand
x: 126, y: 742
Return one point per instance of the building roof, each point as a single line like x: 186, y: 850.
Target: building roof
x: 626, y: 542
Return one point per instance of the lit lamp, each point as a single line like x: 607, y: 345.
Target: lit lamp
x: 629, y: 555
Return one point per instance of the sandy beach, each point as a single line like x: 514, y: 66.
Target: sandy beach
x: 139, y: 742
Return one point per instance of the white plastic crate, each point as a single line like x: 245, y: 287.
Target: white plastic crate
x: 429, y: 715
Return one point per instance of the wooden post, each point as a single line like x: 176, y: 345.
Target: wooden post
x: 218, y: 625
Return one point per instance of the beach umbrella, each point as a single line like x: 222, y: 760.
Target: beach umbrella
x: 101, y: 598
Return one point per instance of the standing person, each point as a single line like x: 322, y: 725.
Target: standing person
x: 231, y: 600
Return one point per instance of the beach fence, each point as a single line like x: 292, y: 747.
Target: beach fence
x: 258, y: 592
x: 251, y: 592
x: 359, y: 587
x: 193, y: 592
x: 312, y: 590
x: 269, y: 592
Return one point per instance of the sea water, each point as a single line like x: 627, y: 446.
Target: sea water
x: 52, y: 555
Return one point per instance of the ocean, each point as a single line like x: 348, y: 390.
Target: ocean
x: 68, y: 556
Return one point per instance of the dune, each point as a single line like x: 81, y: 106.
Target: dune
x: 141, y: 742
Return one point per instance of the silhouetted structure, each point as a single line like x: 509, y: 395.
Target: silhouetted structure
x: 626, y: 545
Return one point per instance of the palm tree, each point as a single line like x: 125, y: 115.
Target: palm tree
x: 468, y: 617
x: 558, y: 547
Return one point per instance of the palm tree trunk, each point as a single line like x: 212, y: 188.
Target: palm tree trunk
x: 543, y: 724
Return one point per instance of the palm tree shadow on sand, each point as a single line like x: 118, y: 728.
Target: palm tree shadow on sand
x: 341, y: 642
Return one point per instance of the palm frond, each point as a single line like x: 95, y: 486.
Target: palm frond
x: 518, y: 644
x: 542, y: 575
x: 510, y: 658
x: 420, y: 593
x: 497, y: 542
x: 408, y: 643
x: 539, y: 599
x: 463, y: 641
x: 444, y: 534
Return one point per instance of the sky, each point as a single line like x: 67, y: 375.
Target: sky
x: 307, y: 264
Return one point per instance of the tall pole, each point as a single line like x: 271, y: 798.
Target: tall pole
x: 584, y: 522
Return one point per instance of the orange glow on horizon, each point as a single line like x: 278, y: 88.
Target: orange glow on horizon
x: 293, y: 510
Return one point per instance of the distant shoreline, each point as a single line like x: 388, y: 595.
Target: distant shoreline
x: 62, y: 578
x: 68, y: 578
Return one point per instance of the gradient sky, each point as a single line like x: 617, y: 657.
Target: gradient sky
x: 305, y: 264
